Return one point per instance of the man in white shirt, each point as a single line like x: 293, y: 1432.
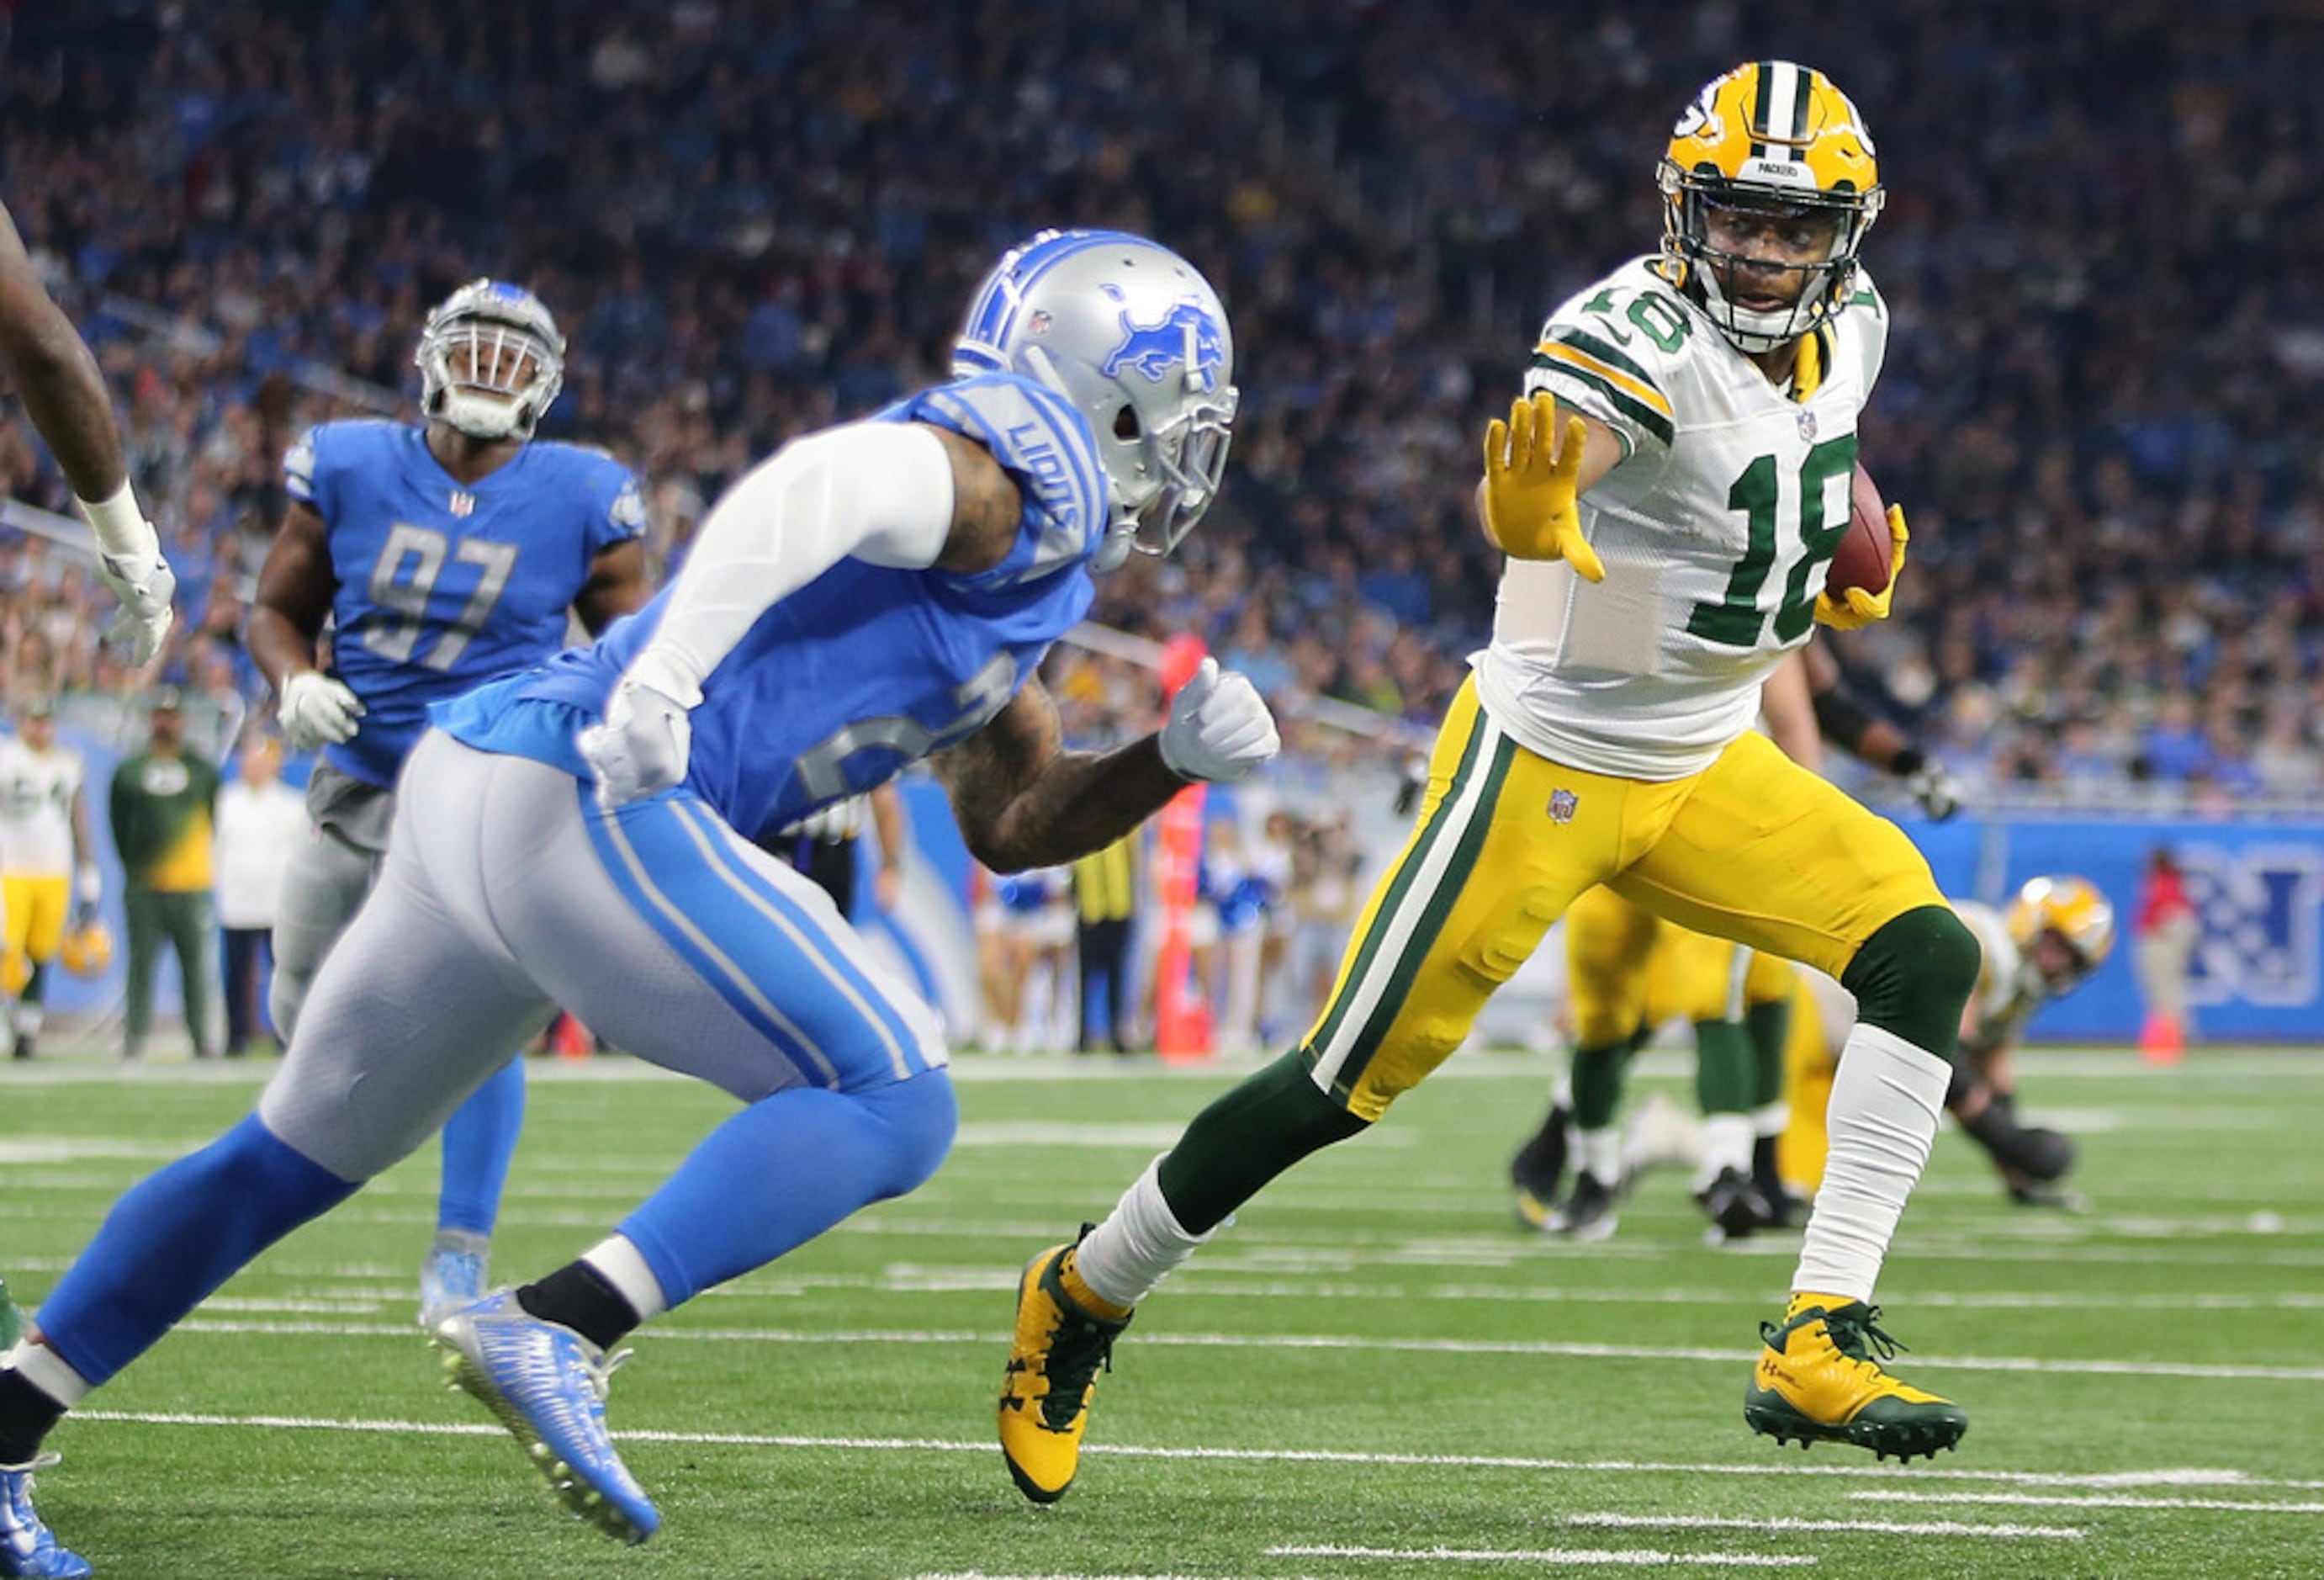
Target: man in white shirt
x: 261, y: 821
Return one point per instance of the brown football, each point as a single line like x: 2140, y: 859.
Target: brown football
x: 1865, y: 552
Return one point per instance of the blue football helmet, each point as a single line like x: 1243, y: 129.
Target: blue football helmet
x: 1135, y: 338
x: 490, y: 361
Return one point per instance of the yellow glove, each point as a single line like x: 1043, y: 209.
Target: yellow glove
x: 1862, y: 608
x: 1532, y: 508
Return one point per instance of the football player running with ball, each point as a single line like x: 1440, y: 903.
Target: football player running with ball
x: 582, y: 833
x: 1669, y: 491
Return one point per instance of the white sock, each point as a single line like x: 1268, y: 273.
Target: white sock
x: 624, y: 1266
x: 1726, y: 1144
x: 1599, y: 1154
x: 1773, y: 1119
x: 47, y: 1370
x: 1886, y: 1101
x: 1137, y: 1245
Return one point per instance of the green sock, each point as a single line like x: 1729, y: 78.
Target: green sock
x: 1723, y: 1069
x: 1247, y: 1136
x: 1770, y: 1025
x: 1598, y: 1074
x: 1912, y: 977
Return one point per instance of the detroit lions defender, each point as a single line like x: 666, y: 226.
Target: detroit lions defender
x: 446, y: 554
x: 582, y: 833
x: 54, y: 373
x: 1683, y: 447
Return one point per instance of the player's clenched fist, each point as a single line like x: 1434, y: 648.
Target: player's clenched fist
x: 1532, y: 502
x: 1219, y: 728
x: 642, y: 748
x: 317, y: 711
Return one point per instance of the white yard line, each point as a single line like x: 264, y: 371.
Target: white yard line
x: 2090, y: 1501
x: 1789, y: 1468
x: 1572, y: 1557
x: 1785, y: 1523
x: 2051, y: 1366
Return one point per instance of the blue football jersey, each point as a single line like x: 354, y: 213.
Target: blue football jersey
x: 867, y: 667
x: 443, y: 585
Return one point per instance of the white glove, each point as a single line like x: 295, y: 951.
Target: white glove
x: 317, y: 710
x: 145, y: 586
x: 1219, y: 728
x: 642, y: 747
x: 1934, y: 787
x: 89, y: 885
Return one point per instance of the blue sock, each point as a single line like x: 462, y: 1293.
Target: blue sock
x: 785, y: 1169
x: 177, y: 1236
x: 479, y: 1140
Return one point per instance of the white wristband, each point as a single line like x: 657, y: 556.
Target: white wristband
x: 121, y: 531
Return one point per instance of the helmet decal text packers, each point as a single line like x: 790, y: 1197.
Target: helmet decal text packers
x: 1771, y: 138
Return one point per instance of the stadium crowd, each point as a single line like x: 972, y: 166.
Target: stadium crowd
x: 2099, y: 249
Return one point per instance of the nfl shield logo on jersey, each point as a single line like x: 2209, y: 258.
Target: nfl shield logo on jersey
x: 464, y: 504
x: 1562, y: 804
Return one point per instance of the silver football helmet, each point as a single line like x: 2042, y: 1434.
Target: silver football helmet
x: 490, y: 361
x: 1135, y: 338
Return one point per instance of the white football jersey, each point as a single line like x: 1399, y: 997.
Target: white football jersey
x: 1716, y: 529
x: 2008, y: 989
x: 36, y: 792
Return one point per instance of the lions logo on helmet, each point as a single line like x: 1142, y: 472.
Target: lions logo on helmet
x: 87, y: 949
x: 2071, y: 910
x: 1135, y: 338
x: 1778, y: 138
x: 490, y: 361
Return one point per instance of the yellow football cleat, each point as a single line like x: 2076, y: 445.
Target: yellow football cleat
x: 1053, y: 1364
x: 1817, y: 1378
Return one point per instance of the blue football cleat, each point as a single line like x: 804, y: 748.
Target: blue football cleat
x: 547, y: 1384
x: 452, y: 1274
x: 29, y: 1550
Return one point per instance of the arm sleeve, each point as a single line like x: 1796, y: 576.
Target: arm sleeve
x: 880, y: 492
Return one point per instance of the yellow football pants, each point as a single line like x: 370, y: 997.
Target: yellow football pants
x: 1627, y: 970
x: 36, y: 912
x: 1809, y: 1066
x: 1754, y: 848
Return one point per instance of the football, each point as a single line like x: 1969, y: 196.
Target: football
x: 1865, y: 552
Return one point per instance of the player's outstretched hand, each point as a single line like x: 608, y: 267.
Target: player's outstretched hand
x: 1219, y: 728
x: 1933, y: 785
x: 1532, y: 469
x: 642, y: 748
x: 1862, y: 608
x: 317, y: 711
x: 145, y: 586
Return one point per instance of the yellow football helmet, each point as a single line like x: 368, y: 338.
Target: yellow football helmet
x: 87, y: 949
x: 2073, y: 909
x: 1775, y: 137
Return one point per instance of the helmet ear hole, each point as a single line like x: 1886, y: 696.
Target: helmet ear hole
x: 1125, y: 423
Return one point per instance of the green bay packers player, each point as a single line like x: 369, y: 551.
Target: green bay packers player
x: 1669, y: 491
x: 2056, y: 931
x: 1629, y: 972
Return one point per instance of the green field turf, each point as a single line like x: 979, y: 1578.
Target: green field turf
x: 1373, y: 1373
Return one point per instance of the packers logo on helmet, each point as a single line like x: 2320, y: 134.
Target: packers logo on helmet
x: 1771, y: 138
x: 87, y: 949
x: 2072, y: 909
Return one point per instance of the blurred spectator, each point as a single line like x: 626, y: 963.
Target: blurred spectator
x: 161, y: 809
x: 261, y: 821
x: 2163, y: 952
x: 1106, y: 888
